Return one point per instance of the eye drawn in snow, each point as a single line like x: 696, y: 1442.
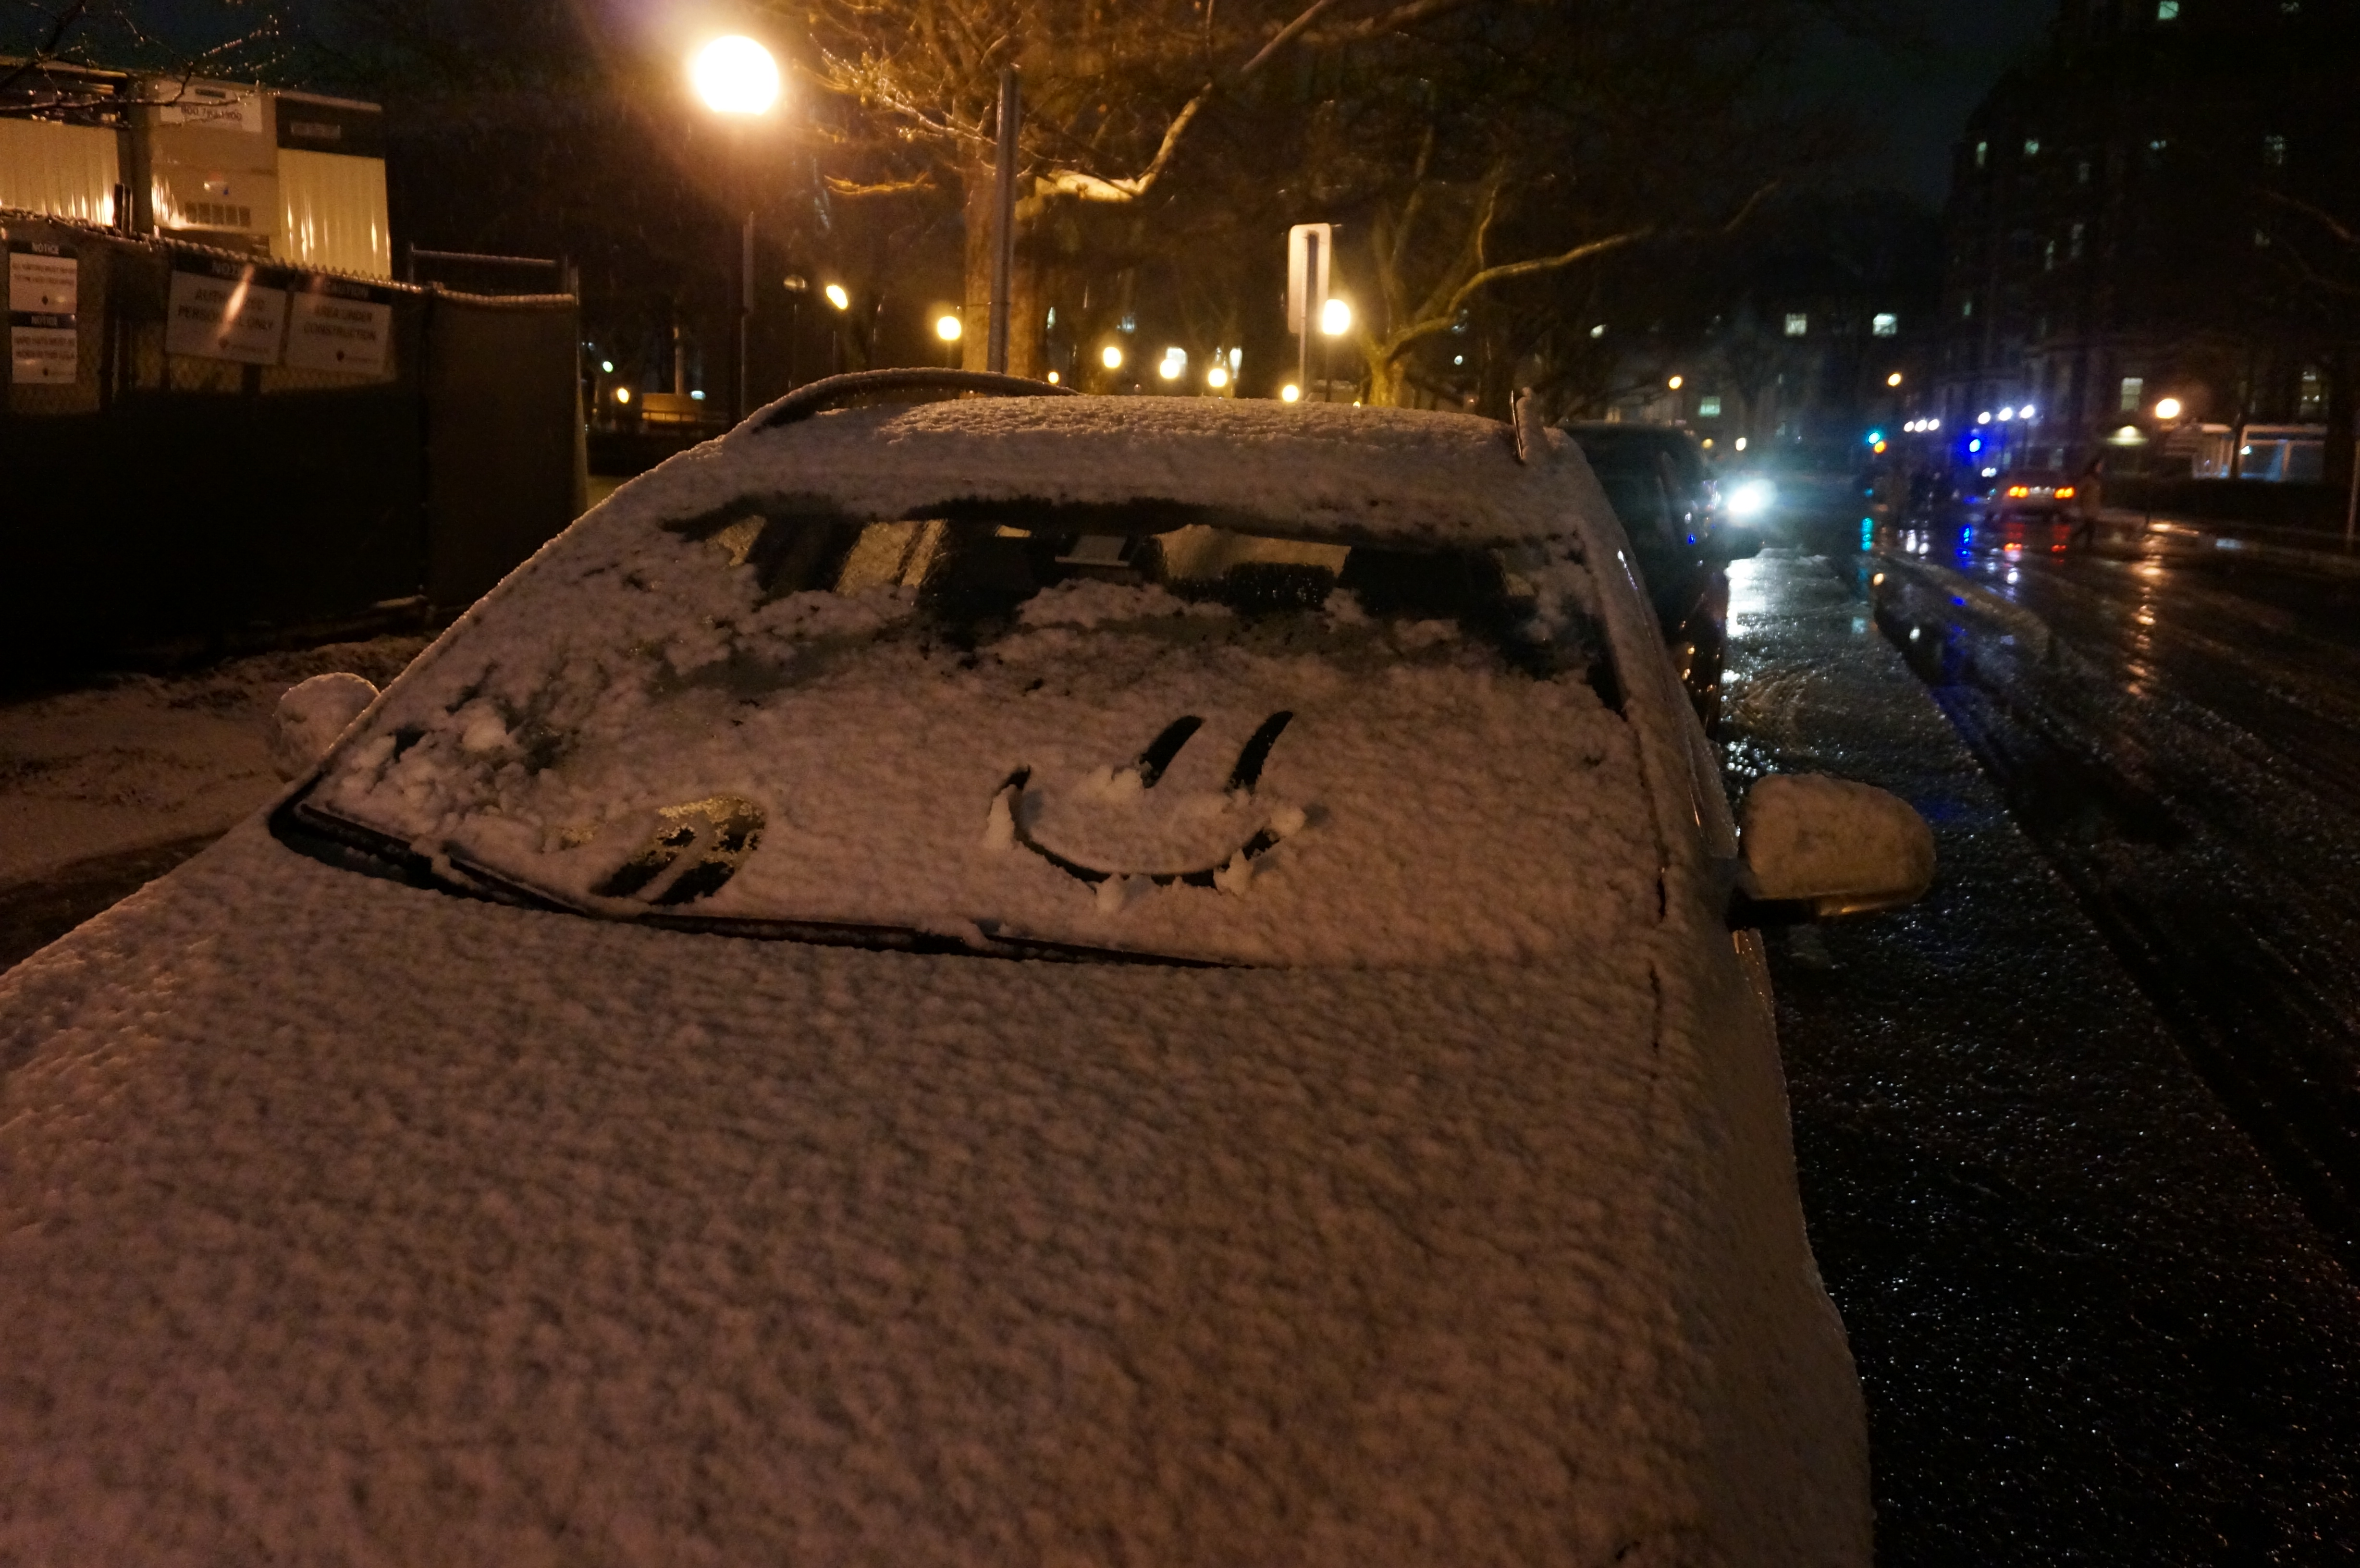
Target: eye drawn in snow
x: 1115, y: 826
x: 696, y: 850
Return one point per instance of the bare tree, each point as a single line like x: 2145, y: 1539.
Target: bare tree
x: 1114, y: 91
x: 57, y: 56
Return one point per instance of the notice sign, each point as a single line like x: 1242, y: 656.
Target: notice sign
x: 224, y: 312
x: 214, y: 108
x: 335, y: 325
x: 44, y: 286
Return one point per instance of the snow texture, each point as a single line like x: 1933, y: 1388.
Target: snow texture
x: 139, y: 760
x: 343, y: 1221
x: 310, y: 716
x: 1811, y: 836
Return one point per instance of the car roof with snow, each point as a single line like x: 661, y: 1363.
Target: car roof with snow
x: 1372, y: 474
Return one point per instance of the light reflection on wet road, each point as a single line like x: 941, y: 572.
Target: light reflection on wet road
x: 2091, y: 1324
x: 2181, y: 737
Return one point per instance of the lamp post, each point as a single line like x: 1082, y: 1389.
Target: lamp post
x: 840, y: 302
x: 950, y: 328
x: 738, y: 81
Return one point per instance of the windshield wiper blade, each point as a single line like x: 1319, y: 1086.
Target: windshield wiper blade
x: 334, y: 840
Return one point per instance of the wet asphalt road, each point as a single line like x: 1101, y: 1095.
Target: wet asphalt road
x: 2099, y: 1315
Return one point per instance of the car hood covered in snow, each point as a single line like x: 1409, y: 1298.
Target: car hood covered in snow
x: 380, y: 1226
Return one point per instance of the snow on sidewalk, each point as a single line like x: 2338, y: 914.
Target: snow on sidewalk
x: 133, y: 761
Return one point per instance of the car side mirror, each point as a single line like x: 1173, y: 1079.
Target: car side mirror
x: 1815, y: 848
x: 311, y: 714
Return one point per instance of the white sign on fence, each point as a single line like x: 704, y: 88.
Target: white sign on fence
x: 41, y: 284
x: 332, y: 326
x: 226, y: 313
x: 44, y: 286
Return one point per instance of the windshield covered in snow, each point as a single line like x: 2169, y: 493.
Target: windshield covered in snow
x: 1116, y: 730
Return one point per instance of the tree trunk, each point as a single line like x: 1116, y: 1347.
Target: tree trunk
x: 1025, y: 356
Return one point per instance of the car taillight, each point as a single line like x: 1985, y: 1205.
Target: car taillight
x: 2065, y: 492
x: 2018, y: 490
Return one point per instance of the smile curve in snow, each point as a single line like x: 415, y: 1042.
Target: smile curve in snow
x: 1245, y: 775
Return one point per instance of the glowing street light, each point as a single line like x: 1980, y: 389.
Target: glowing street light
x: 1676, y: 382
x: 2168, y: 409
x: 1174, y: 363
x: 1335, y: 318
x: 1111, y: 356
x: 1894, y: 379
x: 1217, y: 377
x: 735, y: 75
x: 837, y: 296
x: 1289, y: 393
x: 948, y: 327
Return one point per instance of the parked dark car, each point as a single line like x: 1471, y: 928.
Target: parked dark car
x: 1660, y: 488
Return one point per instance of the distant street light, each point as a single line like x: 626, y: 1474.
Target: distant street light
x: 622, y: 395
x: 735, y: 75
x: 1335, y: 318
x: 1894, y: 379
x: 1676, y: 382
x: 1111, y: 356
x: 1289, y: 393
x: 837, y: 296
x: 948, y: 327
x: 2168, y: 409
x: 1217, y: 377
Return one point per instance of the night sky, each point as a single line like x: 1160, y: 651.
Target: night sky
x: 1915, y: 106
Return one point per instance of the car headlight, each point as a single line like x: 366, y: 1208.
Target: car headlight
x: 1751, y: 499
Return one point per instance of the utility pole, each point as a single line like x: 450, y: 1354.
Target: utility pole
x: 1004, y: 220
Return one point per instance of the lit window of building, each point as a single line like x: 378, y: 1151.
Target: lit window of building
x: 1708, y: 407
x: 1797, y: 323
x: 2274, y: 151
x: 1884, y: 324
x: 2134, y: 389
x: 2167, y: 10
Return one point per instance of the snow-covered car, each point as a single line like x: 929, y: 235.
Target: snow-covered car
x: 1024, y: 979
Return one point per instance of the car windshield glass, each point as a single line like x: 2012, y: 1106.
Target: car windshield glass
x: 1125, y: 732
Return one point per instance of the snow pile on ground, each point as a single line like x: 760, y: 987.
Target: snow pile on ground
x: 140, y: 760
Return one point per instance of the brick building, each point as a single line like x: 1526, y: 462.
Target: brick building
x: 2147, y: 217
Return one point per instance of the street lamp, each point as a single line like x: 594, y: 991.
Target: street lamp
x: 949, y: 328
x: 737, y: 80
x: 1894, y: 379
x: 837, y: 296
x: 1111, y: 356
x: 1676, y: 382
x: 735, y: 75
x: 2168, y: 409
x: 1335, y: 321
x: 1289, y: 393
x: 1218, y: 377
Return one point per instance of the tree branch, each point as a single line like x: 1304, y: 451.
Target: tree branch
x: 1400, y: 343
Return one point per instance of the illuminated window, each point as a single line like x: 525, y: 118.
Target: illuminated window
x: 2032, y: 147
x: 1797, y: 323
x: 2274, y: 151
x: 1884, y: 324
x: 2313, y: 395
x: 2134, y: 388
x: 1966, y: 307
x: 1708, y: 407
x: 2073, y: 247
x: 2167, y: 10
x: 2049, y: 256
x: 1982, y: 154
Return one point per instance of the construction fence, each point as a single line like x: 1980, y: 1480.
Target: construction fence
x: 201, y: 444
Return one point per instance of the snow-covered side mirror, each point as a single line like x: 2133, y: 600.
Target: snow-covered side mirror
x: 311, y: 714
x: 1815, y: 848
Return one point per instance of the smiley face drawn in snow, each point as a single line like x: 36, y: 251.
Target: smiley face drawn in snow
x: 1115, y: 823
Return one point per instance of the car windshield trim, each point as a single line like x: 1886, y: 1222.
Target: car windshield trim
x: 314, y: 832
